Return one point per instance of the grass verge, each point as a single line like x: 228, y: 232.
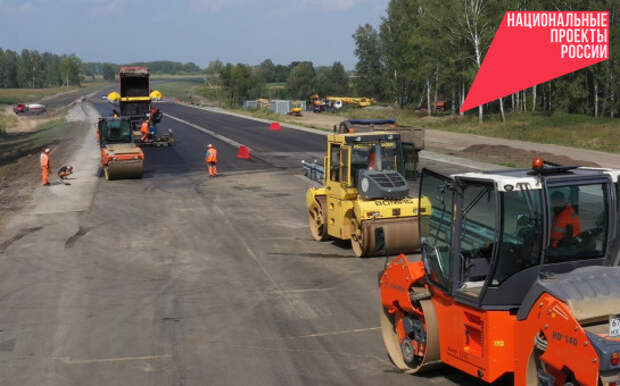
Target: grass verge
x: 560, y: 128
x: 28, y: 95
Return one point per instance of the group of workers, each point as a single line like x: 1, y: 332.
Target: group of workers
x: 149, y: 126
x: 63, y: 173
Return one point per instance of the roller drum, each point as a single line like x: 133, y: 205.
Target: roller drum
x: 116, y: 170
x: 400, y: 235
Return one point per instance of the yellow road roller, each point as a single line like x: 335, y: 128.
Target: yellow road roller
x: 364, y: 197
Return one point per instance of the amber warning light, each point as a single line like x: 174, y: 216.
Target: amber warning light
x: 538, y: 163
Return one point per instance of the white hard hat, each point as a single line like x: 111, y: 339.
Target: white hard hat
x: 209, y: 145
x: 47, y: 150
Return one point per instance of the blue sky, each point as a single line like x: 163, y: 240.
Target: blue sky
x: 247, y: 31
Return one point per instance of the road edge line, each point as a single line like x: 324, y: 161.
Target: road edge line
x: 262, y: 120
x: 229, y: 141
x: 430, y: 155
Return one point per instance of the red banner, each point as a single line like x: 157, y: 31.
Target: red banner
x: 530, y: 48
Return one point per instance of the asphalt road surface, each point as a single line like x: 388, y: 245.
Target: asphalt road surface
x: 178, y: 279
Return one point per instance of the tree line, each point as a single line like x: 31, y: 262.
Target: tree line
x: 109, y: 71
x: 424, y: 52
x: 299, y: 80
x: 31, y: 69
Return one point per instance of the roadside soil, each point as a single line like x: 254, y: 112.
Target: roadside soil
x: 512, y: 157
x: 27, y: 123
x: 20, y: 171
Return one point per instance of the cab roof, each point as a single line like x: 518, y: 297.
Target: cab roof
x: 515, y: 179
x: 375, y: 136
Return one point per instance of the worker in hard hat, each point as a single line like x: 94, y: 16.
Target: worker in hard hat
x: 211, y: 160
x: 565, y: 224
x: 144, y: 129
x: 45, y: 166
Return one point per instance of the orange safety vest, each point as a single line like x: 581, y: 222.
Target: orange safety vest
x: 560, y: 225
x: 45, y: 161
x: 372, y: 162
x: 144, y: 129
x: 211, y: 156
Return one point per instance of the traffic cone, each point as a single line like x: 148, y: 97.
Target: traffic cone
x: 275, y: 126
x: 244, y: 152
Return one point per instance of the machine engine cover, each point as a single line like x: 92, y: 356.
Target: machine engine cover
x: 385, y: 184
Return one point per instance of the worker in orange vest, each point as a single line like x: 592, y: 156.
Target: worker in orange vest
x: 144, y: 129
x: 372, y: 161
x: 45, y: 166
x: 566, y: 222
x: 211, y: 160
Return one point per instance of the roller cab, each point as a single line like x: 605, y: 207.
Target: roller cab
x: 364, y: 197
x: 120, y: 158
x: 518, y: 277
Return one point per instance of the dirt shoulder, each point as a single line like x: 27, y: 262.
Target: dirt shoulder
x: 20, y: 172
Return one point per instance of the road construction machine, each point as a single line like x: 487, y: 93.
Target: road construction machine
x: 135, y: 99
x: 338, y: 101
x: 364, y: 197
x: 516, y: 278
x: 412, y: 138
x: 120, y: 157
x: 135, y: 104
x: 295, y: 109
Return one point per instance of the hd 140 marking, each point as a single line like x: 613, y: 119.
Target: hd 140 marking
x: 564, y: 338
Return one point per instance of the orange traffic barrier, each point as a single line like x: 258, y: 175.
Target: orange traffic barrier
x: 244, y: 152
x: 275, y: 126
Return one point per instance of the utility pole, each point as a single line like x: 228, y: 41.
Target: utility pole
x: 33, y: 75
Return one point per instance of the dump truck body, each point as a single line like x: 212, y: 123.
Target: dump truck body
x: 496, y: 294
x: 135, y: 100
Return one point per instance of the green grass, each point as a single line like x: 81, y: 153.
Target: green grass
x: 15, y: 145
x: 182, y: 89
x: 28, y: 95
x: 157, y: 76
x: 6, y: 120
x: 560, y: 128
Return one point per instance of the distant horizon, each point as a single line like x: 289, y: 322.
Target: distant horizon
x: 198, y: 31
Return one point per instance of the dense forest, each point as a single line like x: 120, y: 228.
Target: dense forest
x: 300, y: 80
x: 31, y: 69
x: 427, y: 51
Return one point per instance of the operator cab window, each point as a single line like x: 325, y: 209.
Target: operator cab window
x: 436, y: 231
x: 334, y: 165
x: 477, y: 236
x: 520, y: 244
x: 579, y: 219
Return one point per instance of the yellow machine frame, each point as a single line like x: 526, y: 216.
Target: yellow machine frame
x: 344, y: 215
